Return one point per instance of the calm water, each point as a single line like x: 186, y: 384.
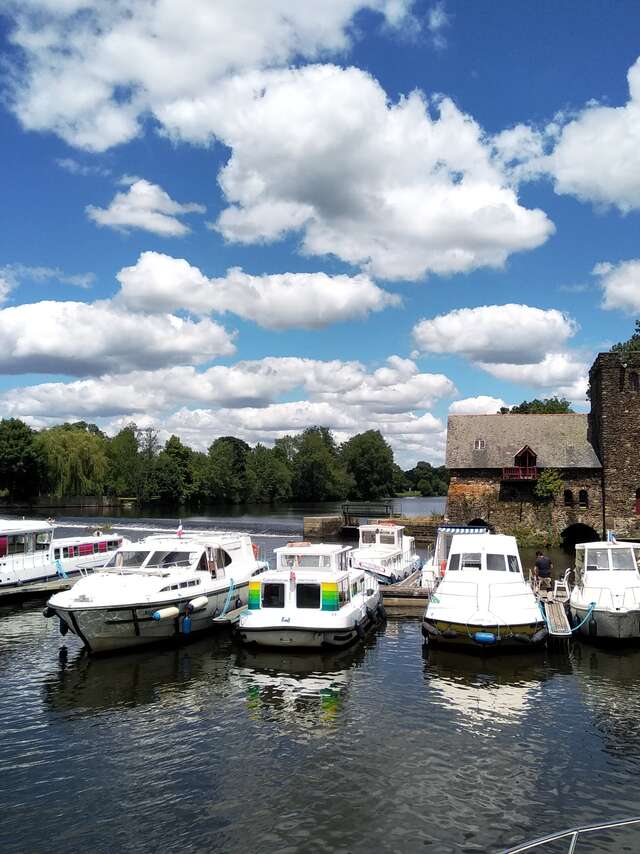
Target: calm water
x: 208, y: 747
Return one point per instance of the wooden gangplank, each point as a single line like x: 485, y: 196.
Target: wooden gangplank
x: 557, y: 620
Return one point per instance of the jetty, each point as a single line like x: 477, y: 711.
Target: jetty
x: 38, y: 591
x: 345, y: 525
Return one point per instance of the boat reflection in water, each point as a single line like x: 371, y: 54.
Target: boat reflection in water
x: 300, y: 690
x: 173, y: 676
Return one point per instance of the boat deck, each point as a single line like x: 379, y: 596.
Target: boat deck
x: 405, y: 598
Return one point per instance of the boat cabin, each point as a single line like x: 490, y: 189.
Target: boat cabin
x: 607, y: 557
x: 480, y: 553
x: 444, y: 538
x: 307, y: 576
x: 19, y: 536
x: 382, y: 533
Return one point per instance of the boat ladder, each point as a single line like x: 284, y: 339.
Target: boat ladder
x: 571, y: 836
x: 556, y: 618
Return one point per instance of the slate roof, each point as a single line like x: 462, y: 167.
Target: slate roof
x: 559, y: 441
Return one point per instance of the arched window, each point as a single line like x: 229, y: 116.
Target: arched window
x: 637, y: 502
x: 583, y: 498
x: 568, y: 498
x: 634, y: 381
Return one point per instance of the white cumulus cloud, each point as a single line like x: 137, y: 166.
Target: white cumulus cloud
x: 620, y: 285
x: 517, y: 334
x: 146, y: 206
x: 480, y: 405
x: 159, y: 282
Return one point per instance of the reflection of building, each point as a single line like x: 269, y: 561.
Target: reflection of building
x: 495, y: 461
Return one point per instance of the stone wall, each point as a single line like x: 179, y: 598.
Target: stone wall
x: 508, y: 506
x: 614, y: 430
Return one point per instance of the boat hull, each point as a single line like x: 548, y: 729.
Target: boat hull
x: 604, y: 624
x: 306, y: 637
x: 119, y: 627
x: 480, y: 636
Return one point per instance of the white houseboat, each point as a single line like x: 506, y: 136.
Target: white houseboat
x: 434, y: 567
x: 29, y: 553
x: 386, y: 552
x: 483, y: 599
x: 157, y: 589
x: 312, y: 599
x: 605, y: 601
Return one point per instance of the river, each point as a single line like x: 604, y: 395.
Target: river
x: 209, y: 747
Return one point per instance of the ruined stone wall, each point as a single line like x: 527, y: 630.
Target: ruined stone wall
x: 614, y: 430
x: 508, y: 506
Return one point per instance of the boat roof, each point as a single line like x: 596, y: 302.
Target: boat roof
x: 189, y: 541
x: 312, y: 548
x: 463, y: 529
x: 619, y: 544
x: 494, y: 543
x: 375, y: 526
x: 24, y: 526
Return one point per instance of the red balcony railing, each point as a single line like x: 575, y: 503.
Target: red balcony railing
x: 520, y: 473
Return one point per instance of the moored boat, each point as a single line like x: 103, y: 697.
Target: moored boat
x: 159, y: 588
x: 434, y: 567
x: 605, y: 600
x: 312, y: 599
x: 483, y: 599
x: 385, y: 552
x: 29, y: 553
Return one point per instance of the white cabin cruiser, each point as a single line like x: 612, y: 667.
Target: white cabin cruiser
x: 29, y: 553
x: 483, y: 599
x: 312, y: 599
x: 159, y: 588
x: 606, y: 595
x: 385, y: 552
x: 434, y: 567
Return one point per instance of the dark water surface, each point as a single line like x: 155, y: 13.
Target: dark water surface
x: 209, y: 747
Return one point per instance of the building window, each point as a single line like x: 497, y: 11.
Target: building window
x: 568, y: 498
x: 479, y: 445
x: 583, y: 498
x: 637, y: 502
x: 634, y: 381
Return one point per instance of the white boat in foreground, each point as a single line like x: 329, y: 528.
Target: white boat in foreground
x: 606, y: 595
x: 312, y: 599
x: 29, y: 553
x: 386, y: 552
x: 159, y: 588
x: 434, y: 567
x: 483, y: 599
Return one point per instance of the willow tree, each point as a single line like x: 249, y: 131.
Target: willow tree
x: 75, y: 460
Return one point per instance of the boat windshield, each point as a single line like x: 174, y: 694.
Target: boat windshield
x: 604, y: 559
x: 471, y: 560
x: 163, y: 559
x: 496, y: 562
x: 622, y: 559
x: 305, y: 561
x: 127, y: 559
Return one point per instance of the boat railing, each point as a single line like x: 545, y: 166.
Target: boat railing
x: 572, y: 836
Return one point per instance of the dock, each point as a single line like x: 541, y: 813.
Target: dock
x: 557, y: 619
x: 38, y: 591
x: 406, y: 598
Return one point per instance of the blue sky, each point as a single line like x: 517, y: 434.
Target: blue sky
x: 247, y: 218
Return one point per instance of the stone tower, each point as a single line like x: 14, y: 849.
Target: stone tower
x: 614, y: 432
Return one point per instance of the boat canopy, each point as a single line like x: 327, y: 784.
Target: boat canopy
x: 327, y: 556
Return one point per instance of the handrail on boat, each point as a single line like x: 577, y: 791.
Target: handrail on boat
x: 572, y: 835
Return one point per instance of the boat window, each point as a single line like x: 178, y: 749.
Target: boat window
x: 273, y: 595
x: 343, y: 592
x: 127, y: 559
x: 4, y: 543
x: 43, y: 541
x: 163, y: 559
x: 597, y: 559
x: 305, y: 561
x: 388, y: 539
x: 368, y: 537
x: 512, y: 562
x: 16, y: 544
x: 622, y: 559
x: 471, y: 560
x: 454, y: 563
x: 496, y: 563
x: 307, y: 595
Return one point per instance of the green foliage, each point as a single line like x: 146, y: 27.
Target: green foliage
x: 317, y: 472
x: 20, y: 459
x: 76, y: 460
x: 173, y: 472
x: 428, y: 480
x: 124, y: 469
x: 548, y: 406
x: 549, y: 484
x: 369, y: 461
x: 227, y: 470
x: 630, y: 344
x: 268, y: 478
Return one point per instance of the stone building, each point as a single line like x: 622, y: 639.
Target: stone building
x: 495, y: 462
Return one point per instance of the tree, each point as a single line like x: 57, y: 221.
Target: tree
x: 401, y: 482
x: 173, y: 473
x: 630, y: 344
x: 317, y: 472
x: 429, y: 480
x: 268, y: 478
x: 227, y: 469
x: 20, y: 459
x: 548, y: 406
x: 149, y: 448
x: 549, y: 484
x: 75, y: 459
x: 369, y: 460
x: 124, y: 466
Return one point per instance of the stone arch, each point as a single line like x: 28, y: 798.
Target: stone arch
x: 579, y: 533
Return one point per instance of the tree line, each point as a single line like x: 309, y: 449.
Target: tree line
x: 79, y: 459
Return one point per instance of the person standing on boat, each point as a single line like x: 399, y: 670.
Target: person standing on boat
x: 542, y: 572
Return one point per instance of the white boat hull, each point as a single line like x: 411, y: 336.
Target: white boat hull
x: 614, y: 625
x: 107, y: 629
x: 306, y: 637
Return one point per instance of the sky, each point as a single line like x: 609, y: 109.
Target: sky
x: 232, y: 217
